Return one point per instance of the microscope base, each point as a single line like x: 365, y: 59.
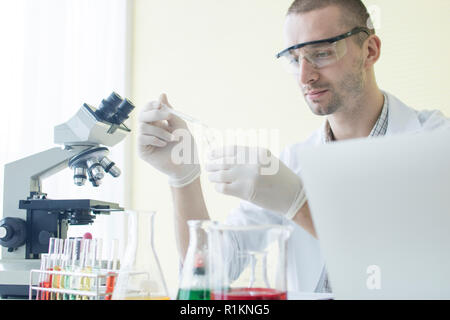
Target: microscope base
x: 15, y: 277
x: 14, y: 292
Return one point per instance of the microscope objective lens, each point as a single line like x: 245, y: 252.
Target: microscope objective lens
x: 95, y: 168
x: 110, y: 167
x: 79, y: 176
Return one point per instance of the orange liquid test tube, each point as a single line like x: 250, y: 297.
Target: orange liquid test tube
x: 110, y: 281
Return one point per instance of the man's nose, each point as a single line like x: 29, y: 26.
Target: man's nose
x: 307, y: 73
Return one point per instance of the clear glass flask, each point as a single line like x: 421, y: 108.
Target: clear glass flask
x: 194, y: 281
x: 140, y: 276
x: 248, y: 262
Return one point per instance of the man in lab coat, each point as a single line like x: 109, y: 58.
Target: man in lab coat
x: 332, y: 50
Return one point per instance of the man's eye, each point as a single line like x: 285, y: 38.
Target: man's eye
x: 294, y: 60
x: 322, y: 54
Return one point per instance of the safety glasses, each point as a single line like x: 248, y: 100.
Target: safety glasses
x: 318, y: 53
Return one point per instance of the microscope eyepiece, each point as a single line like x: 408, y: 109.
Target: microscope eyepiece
x: 123, y: 110
x: 108, y: 107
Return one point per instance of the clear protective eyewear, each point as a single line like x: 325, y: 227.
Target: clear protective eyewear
x: 320, y: 53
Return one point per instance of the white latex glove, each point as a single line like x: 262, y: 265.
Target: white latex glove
x: 263, y: 180
x: 164, y: 140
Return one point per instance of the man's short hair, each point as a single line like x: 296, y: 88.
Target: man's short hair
x: 354, y: 14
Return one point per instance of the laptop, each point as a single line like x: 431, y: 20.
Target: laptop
x: 381, y: 209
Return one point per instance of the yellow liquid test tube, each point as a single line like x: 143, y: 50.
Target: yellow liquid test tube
x: 58, y: 267
x: 75, y: 266
x: 65, y: 266
x: 85, y: 267
x: 86, y: 282
x: 95, y: 261
x: 54, y: 254
x: 92, y: 251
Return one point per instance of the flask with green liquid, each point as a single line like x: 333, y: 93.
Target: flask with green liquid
x: 194, y: 282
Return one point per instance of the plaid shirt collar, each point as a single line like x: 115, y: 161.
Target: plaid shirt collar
x: 378, y: 130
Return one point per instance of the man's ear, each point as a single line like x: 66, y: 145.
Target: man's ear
x: 372, y: 49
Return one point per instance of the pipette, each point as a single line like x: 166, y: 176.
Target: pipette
x: 192, y: 120
x: 184, y: 116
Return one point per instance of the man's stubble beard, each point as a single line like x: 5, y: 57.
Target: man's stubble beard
x: 349, y: 90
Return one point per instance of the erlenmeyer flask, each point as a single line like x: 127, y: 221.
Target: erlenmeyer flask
x: 140, y: 276
x: 249, y: 262
x: 194, y: 282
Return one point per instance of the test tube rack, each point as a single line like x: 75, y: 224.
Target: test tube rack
x: 96, y: 292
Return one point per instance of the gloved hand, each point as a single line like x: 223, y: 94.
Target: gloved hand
x: 255, y: 175
x: 165, y: 142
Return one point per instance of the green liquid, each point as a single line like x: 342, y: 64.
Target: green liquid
x: 193, y: 294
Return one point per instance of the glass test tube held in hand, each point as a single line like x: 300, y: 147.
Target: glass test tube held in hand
x: 207, y: 133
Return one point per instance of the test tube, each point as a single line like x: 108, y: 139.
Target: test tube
x: 53, y: 248
x: 98, y: 254
x: 43, y: 278
x: 66, y: 265
x: 76, y: 265
x: 84, y: 253
x: 57, y: 267
x: 207, y: 134
x: 77, y: 242
x: 113, y: 255
x: 86, y: 265
x: 94, y: 262
x: 112, y: 266
x: 110, y: 282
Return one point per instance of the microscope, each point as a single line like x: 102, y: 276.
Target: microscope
x: 30, y: 219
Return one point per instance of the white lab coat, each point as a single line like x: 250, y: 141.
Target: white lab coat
x: 305, y: 261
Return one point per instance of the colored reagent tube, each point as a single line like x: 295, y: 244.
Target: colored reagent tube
x: 112, y: 267
x: 86, y: 267
x: 110, y: 282
x: 43, y: 278
x: 75, y: 266
x: 53, y: 252
x: 249, y: 294
x: 66, y: 266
